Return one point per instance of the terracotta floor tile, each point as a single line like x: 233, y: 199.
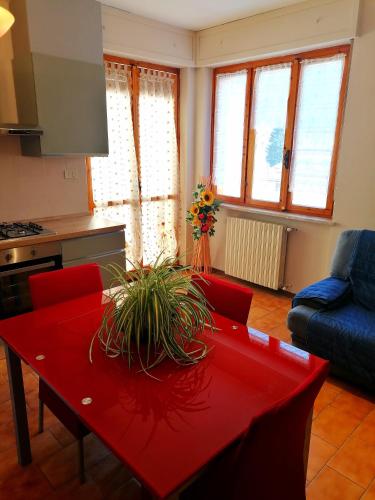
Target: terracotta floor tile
x: 320, y: 453
x: 335, y: 383
x: 257, y: 312
x: 3, y: 372
x: 61, y: 433
x: 74, y: 490
x: 130, y: 491
x: 5, y: 411
x: 366, y: 430
x: 370, y: 492
x: 354, y: 404
x: 7, y: 438
x: 42, y: 446
x: 265, y: 324
x: 109, y: 474
x: 4, y: 392
x: 28, y: 484
x: 334, y: 425
x: 281, y: 332
x: 328, y: 393
x: 330, y: 485
x: 62, y: 466
x: 280, y: 315
x: 355, y: 460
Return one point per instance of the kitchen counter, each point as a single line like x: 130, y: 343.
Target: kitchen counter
x: 66, y: 227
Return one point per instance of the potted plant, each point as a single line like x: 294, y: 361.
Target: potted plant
x: 154, y: 313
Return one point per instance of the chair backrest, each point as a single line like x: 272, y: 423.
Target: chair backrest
x: 270, y: 460
x: 64, y: 284
x: 227, y: 298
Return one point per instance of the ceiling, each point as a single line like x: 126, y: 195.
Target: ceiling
x: 197, y: 14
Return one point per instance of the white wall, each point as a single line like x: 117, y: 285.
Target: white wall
x: 136, y: 37
x: 310, y: 247
x: 33, y: 188
x: 311, y: 23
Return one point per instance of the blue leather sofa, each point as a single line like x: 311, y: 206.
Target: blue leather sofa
x: 335, y: 318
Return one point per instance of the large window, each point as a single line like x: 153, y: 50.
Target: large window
x: 276, y: 127
x: 138, y: 182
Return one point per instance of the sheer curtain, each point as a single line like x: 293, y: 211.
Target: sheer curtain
x: 143, y: 194
x: 115, y: 178
x: 158, y: 163
x: 315, y: 129
x: 230, y: 100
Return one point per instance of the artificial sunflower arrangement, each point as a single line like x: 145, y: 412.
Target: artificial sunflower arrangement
x: 202, y: 211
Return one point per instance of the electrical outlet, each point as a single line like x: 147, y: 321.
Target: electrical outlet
x: 70, y: 173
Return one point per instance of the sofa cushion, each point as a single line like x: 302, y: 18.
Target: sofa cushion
x: 362, y: 274
x: 345, y: 336
x: 327, y: 293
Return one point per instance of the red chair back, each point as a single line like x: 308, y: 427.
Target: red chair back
x: 227, y: 298
x: 65, y: 284
x: 270, y: 462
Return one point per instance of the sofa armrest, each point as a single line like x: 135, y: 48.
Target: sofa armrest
x: 325, y: 294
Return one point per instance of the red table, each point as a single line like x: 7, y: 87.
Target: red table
x: 164, y: 430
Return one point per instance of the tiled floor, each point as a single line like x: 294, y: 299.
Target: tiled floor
x: 342, y: 453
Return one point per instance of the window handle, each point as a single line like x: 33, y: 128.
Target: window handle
x: 286, y: 158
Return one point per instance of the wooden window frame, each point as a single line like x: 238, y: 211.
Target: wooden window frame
x: 135, y: 67
x: 285, y: 201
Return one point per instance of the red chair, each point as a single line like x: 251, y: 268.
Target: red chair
x: 48, y: 289
x: 227, y: 298
x: 270, y: 461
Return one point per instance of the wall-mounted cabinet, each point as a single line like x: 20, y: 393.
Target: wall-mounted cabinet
x: 59, y: 76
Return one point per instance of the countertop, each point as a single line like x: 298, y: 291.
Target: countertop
x: 64, y: 228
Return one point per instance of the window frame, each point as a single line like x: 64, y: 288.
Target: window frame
x: 135, y: 67
x: 285, y: 201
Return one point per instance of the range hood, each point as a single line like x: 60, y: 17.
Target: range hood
x: 52, y: 81
x: 17, y: 129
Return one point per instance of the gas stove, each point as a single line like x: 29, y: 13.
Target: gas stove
x: 10, y: 230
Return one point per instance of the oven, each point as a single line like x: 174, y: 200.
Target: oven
x: 16, y: 265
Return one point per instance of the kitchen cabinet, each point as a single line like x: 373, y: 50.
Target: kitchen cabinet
x: 103, y: 249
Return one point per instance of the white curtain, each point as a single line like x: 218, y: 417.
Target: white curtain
x: 144, y: 196
x: 115, y: 178
x: 158, y: 163
x: 229, y: 119
x: 315, y: 128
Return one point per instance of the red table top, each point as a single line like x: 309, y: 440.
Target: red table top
x: 164, y: 430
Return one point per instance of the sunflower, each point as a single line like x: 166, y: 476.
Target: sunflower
x: 194, y: 209
x: 202, y: 203
x: 196, y: 221
x: 207, y: 197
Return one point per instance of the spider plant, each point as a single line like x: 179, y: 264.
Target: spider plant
x: 154, y: 313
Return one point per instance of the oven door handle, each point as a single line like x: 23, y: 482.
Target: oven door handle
x: 21, y: 270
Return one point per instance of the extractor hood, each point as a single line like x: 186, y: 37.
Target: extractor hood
x: 17, y: 129
x: 52, y: 78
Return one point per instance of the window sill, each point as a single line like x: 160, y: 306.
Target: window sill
x: 279, y: 215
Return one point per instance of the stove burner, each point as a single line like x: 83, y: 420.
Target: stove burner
x: 19, y: 230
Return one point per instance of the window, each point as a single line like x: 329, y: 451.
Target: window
x: 275, y: 134
x: 138, y: 182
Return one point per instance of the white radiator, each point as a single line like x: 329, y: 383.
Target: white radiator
x: 255, y: 251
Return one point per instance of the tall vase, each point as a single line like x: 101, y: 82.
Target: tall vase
x: 201, y: 255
